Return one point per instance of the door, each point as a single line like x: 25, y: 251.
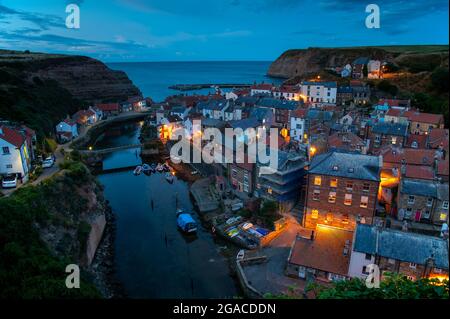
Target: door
x: 418, y: 214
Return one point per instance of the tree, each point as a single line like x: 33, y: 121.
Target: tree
x: 365, y: 71
x: 440, y: 78
x: 393, y: 286
x: 386, y: 86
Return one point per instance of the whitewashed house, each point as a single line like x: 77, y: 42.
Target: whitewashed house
x: 67, y: 130
x: 346, y: 71
x: 318, y: 93
x: 263, y: 88
x: 297, y: 124
x: 14, y: 153
x: 374, y: 69
x: 214, y: 109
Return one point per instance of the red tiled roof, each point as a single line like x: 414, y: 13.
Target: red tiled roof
x: 412, y: 156
x: 262, y: 86
x: 419, y: 172
x: 429, y: 118
x: 442, y: 167
x: 392, y: 102
x: 344, y: 140
x: 421, y: 140
x: 325, y: 252
x: 394, y: 112
x: 299, y: 113
x: 108, y: 107
x: 69, y: 122
x: 12, y: 136
x: 438, y: 137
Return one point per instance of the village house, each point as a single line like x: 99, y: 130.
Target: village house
x: 283, y: 184
x: 422, y: 201
x: 358, y: 67
x: 66, y: 130
x: 109, y: 109
x: 287, y: 92
x: 438, y: 138
x: 374, y: 69
x: 416, y: 141
x: 344, y: 95
x: 395, y: 157
x: 342, y: 189
x: 423, y: 123
x: 213, y: 108
x: 347, y: 141
x: 382, y: 134
x: 321, y: 255
x: 85, y: 117
x: 346, y: 71
x: 413, y: 255
x: 281, y: 110
x: 297, y: 124
x: 242, y: 176
x: 361, y: 94
x: 317, y: 92
x: 15, y: 156
x: 138, y: 103
x: 233, y: 113
x: 261, y: 89
x: 180, y: 111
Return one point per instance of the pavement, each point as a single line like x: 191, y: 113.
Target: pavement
x: 269, y: 277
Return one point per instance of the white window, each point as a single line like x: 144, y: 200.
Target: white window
x: 332, y: 197
x: 411, y: 199
x: 348, y: 199
x: 429, y: 201
x: 437, y: 270
x: 316, y: 194
x: 443, y: 217
x: 391, y: 261
x: 445, y: 204
x: 412, y: 265
x: 364, y: 201
x: 412, y: 278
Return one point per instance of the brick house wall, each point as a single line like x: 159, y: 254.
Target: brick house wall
x: 411, y: 270
x: 319, y: 209
x: 241, y: 179
x: 419, y: 209
x: 423, y: 128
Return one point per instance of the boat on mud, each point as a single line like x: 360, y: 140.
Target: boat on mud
x: 170, y: 177
x: 185, y: 222
x: 137, y: 170
x: 160, y: 168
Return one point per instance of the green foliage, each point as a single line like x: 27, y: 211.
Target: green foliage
x: 439, y: 79
x: 50, y: 145
x: 28, y: 269
x: 432, y: 104
x: 245, y: 213
x: 365, y: 71
x: 269, y: 213
x: 386, y: 86
x: 394, y: 286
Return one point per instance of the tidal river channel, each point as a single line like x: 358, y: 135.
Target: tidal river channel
x: 153, y: 259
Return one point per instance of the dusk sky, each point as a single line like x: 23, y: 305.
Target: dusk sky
x: 187, y: 30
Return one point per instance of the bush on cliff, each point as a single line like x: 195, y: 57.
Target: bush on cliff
x: 28, y: 267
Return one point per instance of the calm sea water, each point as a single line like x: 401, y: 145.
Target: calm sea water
x: 154, y: 78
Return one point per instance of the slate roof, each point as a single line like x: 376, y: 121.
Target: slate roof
x: 419, y: 188
x: 260, y: 113
x: 346, y: 164
x: 385, y: 128
x: 361, y: 60
x: 404, y: 246
x: 277, y: 103
x: 345, y: 89
x: 210, y: 122
x: 315, y: 114
x: 326, y: 84
x: 212, y: 104
x: 245, y: 123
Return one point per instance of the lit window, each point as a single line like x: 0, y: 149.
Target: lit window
x: 332, y: 197
x: 364, y: 201
x: 437, y: 270
x: 269, y: 190
x: 348, y: 199
x: 329, y: 217
x: 316, y: 194
x: 333, y: 182
x: 345, y: 219
x: 394, y: 140
x: 317, y: 181
x: 443, y: 217
x: 314, y: 214
x: 411, y: 199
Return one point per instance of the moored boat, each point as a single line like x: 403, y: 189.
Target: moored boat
x: 137, y: 170
x: 169, y: 177
x: 186, y: 223
x: 160, y: 168
x: 146, y: 169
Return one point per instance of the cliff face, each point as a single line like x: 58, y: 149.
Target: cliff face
x: 41, y: 89
x: 85, y: 78
x: 312, y: 60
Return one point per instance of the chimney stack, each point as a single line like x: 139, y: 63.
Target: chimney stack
x: 312, y: 235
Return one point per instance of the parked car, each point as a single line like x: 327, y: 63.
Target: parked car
x: 48, y: 162
x: 9, y: 181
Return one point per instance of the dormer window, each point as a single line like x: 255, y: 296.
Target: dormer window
x: 335, y: 168
x: 351, y: 170
x: 414, y: 144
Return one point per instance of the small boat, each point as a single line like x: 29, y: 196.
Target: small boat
x: 169, y: 177
x: 153, y: 167
x: 166, y: 167
x: 185, y: 222
x: 160, y: 168
x: 146, y: 169
x: 137, y: 170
